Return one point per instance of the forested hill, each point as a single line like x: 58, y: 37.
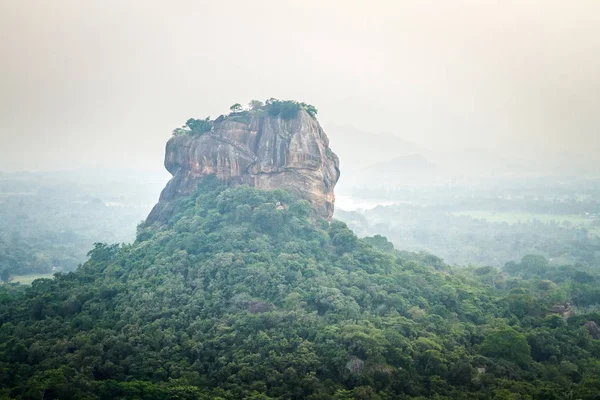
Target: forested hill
x: 240, y: 295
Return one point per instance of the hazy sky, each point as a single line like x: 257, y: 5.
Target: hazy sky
x: 88, y: 83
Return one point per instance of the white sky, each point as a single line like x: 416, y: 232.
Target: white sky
x: 101, y: 83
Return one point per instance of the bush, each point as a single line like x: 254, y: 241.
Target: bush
x: 288, y: 109
x: 199, y: 126
x: 509, y: 345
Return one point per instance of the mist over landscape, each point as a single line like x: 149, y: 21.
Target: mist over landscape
x: 299, y: 200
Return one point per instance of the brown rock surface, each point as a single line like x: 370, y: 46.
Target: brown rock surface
x: 264, y: 151
x: 593, y: 329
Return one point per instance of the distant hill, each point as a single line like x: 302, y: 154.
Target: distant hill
x: 358, y: 149
x: 412, y: 169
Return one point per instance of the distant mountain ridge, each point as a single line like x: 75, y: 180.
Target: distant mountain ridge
x: 358, y: 149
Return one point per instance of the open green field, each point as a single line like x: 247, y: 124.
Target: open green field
x: 515, y: 217
x: 27, y: 279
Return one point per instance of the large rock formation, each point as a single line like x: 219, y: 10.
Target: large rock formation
x: 267, y: 152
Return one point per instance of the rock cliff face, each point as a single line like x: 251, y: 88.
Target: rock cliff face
x: 259, y: 150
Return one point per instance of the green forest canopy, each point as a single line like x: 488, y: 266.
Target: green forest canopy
x: 236, y: 298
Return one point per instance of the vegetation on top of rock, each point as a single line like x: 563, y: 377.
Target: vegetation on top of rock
x: 286, y: 109
x: 194, y: 127
x: 237, y: 107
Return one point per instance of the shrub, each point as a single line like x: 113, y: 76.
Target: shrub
x: 199, y: 126
x: 310, y: 109
x: 287, y: 109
